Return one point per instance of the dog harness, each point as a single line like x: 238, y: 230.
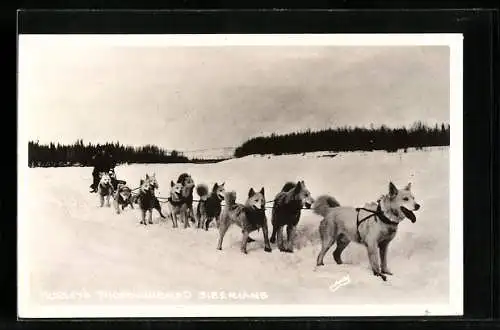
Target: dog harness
x: 378, y: 213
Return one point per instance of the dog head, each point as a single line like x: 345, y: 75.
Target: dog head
x: 149, y: 183
x: 219, y: 190
x: 105, y: 179
x: 256, y: 200
x: 303, y: 194
x: 175, y: 191
x: 186, y: 180
x: 402, y: 200
x: 112, y: 174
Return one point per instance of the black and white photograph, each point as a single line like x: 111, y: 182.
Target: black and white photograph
x: 239, y: 175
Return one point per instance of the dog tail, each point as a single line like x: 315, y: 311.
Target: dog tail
x: 230, y: 198
x: 323, y: 204
x: 202, y: 191
x: 288, y: 186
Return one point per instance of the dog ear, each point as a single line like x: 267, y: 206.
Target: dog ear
x: 262, y: 191
x: 142, y: 181
x: 251, y: 192
x: 298, y: 186
x: 172, y: 183
x: 222, y: 185
x: 408, y: 187
x: 215, y: 186
x: 147, y: 176
x: 393, y: 191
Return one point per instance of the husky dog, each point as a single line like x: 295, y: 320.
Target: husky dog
x: 187, y: 194
x: 104, y: 188
x: 286, y: 211
x: 249, y: 217
x: 373, y: 225
x: 147, y: 199
x: 122, y: 197
x: 114, y: 180
x: 209, y: 206
x: 175, y: 205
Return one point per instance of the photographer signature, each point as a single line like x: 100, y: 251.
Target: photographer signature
x: 340, y: 283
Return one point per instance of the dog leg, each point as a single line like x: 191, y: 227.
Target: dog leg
x: 174, y: 220
x: 279, y: 238
x: 131, y: 204
x: 185, y: 219
x: 273, y: 235
x: 116, y: 204
x: 383, y: 257
x: 143, y: 217
x: 101, y: 200
x: 374, y: 260
x: 325, y: 246
x: 290, y: 234
x: 265, y: 232
x: 327, y: 240
x: 244, y: 241
x: 157, y: 207
x: 150, y: 217
x: 207, y: 222
x: 224, y: 225
x: 342, y: 242
x: 107, y: 201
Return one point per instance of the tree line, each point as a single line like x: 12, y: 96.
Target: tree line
x: 348, y: 138
x: 79, y: 154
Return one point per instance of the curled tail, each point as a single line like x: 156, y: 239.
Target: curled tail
x: 230, y: 198
x: 202, y: 191
x: 288, y: 186
x: 323, y: 204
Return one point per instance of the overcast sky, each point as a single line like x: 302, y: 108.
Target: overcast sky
x: 208, y: 97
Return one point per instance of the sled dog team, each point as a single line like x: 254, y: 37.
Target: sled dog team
x: 374, y: 225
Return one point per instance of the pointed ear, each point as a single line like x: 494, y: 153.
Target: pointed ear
x: 408, y: 187
x: 251, y: 192
x: 262, y: 191
x: 215, y: 186
x: 393, y: 191
x: 172, y: 183
x: 147, y: 176
x: 222, y: 185
x: 298, y: 186
x: 142, y: 181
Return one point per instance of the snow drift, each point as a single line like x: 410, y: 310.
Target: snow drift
x: 72, y: 245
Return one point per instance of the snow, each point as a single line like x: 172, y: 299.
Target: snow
x: 73, y: 247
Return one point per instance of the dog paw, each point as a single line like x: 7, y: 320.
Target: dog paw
x: 386, y: 271
x: 384, y: 278
x: 268, y: 249
x: 320, y: 264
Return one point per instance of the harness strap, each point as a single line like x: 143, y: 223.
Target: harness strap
x: 378, y: 213
x: 175, y: 203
